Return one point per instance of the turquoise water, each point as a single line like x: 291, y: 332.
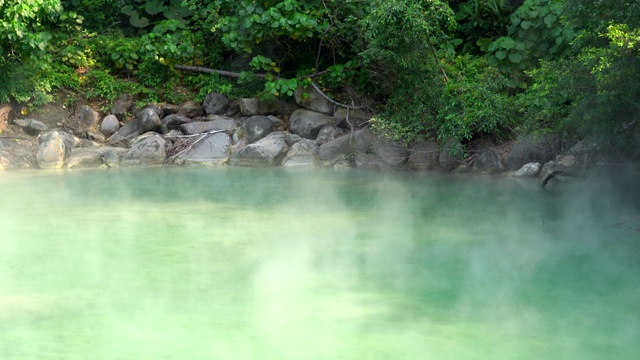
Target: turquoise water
x: 200, y: 263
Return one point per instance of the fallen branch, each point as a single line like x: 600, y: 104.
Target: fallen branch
x: 202, y: 137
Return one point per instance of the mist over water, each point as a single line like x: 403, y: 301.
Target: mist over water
x: 233, y: 263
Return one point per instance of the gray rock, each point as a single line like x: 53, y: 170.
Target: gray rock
x: 112, y: 156
x: 329, y: 133
x: 267, y: 151
x: 84, y: 158
x: 424, y: 156
x: 529, y: 149
x: 149, y: 150
x: 528, y: 170
x: 448, y: 160
x: 256, y: 127
x: 122, y: 106
x: 109, y: 125
x: 391, y: 153
x: 31, y: 126
x: 88, y: 117
x: 362, y: 140
x: 357, y: 118
x: 53, y: 150
x: 126, y: 133
x: 174, y: 121
x: 17, y: 154
x: 213, y: 150
x: 303, y: 153
x: 169, y: 109
x: 311, y: 99
x: 253, y: 106
x: 215, y: 103
x: 338, y: 149
x: 199, y: 127
x: 342, y: 164
x: 307, y: 123
x: 487, y: 162
x: 190, y: 109
x: 148, y: 120
x: 367, y: 161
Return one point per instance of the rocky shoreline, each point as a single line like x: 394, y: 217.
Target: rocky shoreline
x: 251, y: 132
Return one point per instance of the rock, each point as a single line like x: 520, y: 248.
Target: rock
x: 329, y: 133
x: 5, y: 111
x: 256, y: 127
x: 390, y: 152
x: 156, y: 108
x: 53, y: 150
x: 112, y: 156
x: 109, y: 125
x: 307, y: 123
x: 127, y: 132
x: 215, y: 103
x: 424, y: 156
x: 310, y: 98
x: 357, y: 118
x: 367, y: 161
x: 487, y: 162
x: 88, y: 117
x: 213, y: 150
x: 528, y: 170
x: 170, y: 109
x: 17, y: 154
x: 190, y: 109
x: 267, y: 151
x: 84, y: 158
x: 446, y: 159
x: 174, y: 121
x: 121, y: 106
x: 530, y: 149
x: 303, y: 153
x: 342, y: 164
x: 362, y: 140
x: 31, y: 126
x: 199, y: 127
x: 148, y: 119
x: 149, y: 150
x: 338, y: 149
x: 253, y: 106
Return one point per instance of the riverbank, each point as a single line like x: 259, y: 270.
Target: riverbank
x: 314, y: 132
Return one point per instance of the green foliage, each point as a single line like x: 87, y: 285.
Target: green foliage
x: 144, y: 13
x: 536, y: 32
x: 480, y: 22
x: 99, y: 15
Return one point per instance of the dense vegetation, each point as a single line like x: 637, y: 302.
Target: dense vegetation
x: 431, y: 68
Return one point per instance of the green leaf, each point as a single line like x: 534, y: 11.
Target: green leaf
x: 525, y: 24
x: 550, y: 19
x: 501, y: 54
x: 515, y: 57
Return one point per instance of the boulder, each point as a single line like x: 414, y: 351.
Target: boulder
x: 307, y: 123
x: 448, y: 159
x: 329, y: 133
x: 267, y: 151
x: 53, y: 150
x: 148, y: 119
x: 112, y: 156
x: 367, y: 161
x: 174, y: 121
x: 256, y: 127
x: 190, y: 109
x: 146, y: 150
x: 122, y: 105
x: 340, y: 148
x: 487, y: 162
x: 109, y: 125
x: 310, y: 98
x: 5, y: 112
x: 392, y: 154
x: 528, y: 170
x: 84, y: 158
x: 424, y: 156
x: 122, y: 137
x: 215, y: 103
x: 254, y: 106
x: 88, y: 117
x: 530, y: 149
x: 17, y: 154
x: 357, y: 118
x: 31, y: 126
x: 199, y: 127
x: 212, y: 150
x: 302, y: 153
x: 362, y: 140
x: 169, y: 109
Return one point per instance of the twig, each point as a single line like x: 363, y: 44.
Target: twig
x: 237, y: 75
x: 202, y: 136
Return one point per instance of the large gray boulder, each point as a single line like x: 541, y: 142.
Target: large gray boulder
x: 487, y: 162
x: 256, y: 127
x: 89, y: 118
x: 267, y: 151
x: 109, y: 125
x: 190, y: 109
x: 149, y: 149
x: 212, y: 150
x: 532, y: 148
x: 31, y: 126
x: 368, y: 162
x: 307, y: 123
x: 329, y: 133
x: 84, y: 158
x: 303, y: 153
x: 391, y: 153
x: 528, y: 170
x: 122, y: 105
x: 198, y: 127
x: 448, y: 158
x: 174, y: 121
x: 338, y: 149
x: 146, y: 120
x: 215, y: 103
x: 357, y: 118
x: 254, y: 106
x: 17, y: 154
x: 424, y: 156
x: 53, y: 150
x: 310, y: 98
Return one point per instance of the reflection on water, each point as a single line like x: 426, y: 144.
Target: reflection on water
x: 270, y: 264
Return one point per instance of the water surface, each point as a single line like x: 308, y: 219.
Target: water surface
x: 228, y: 263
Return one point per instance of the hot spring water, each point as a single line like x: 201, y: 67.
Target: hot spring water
x: 269, y: 264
